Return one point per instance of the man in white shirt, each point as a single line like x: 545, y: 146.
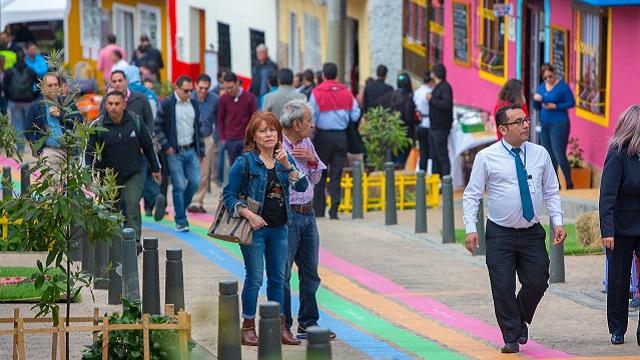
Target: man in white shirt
x: 518, y: 176
x: 422, y: 106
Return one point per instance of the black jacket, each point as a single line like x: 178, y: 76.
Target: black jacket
x: 373, y: 92
x: 165, y: 125
x: 149, y: 57
x: 620, y: 194
x: 256, y: 75
x: 27, y: 94
x: 441, y: 107
x: 137, y: 103
x: 123, y: 147
x: 402, y: 102
x: 36, y: 124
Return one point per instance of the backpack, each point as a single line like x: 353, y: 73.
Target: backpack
x: 21, y: 87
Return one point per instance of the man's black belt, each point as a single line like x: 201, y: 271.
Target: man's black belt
x: 185, y: 147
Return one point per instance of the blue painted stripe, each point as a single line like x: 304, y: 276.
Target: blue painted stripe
x: 359, y: 340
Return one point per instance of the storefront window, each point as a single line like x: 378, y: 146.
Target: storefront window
x: 492, y: 39
x: 414, y: 35
x: 592, y: 61
x: 436, y: 32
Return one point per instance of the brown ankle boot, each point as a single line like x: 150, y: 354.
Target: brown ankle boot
x: 285, y: 333
x: 248, y: 332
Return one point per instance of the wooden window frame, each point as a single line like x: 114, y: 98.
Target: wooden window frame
x: 485, y: 14
x: 436, y: 31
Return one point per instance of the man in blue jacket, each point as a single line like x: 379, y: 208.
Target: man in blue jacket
x: 178, y: 131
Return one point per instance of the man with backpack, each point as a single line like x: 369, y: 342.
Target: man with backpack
x: 18, y: 85
x: 123, y: 144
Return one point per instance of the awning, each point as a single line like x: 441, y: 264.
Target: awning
x: 17, y: 11
x: 611, y: 2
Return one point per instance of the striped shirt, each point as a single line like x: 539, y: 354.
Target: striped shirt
x: 313, y: 171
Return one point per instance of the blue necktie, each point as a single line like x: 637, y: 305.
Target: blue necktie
x: 525, y: 195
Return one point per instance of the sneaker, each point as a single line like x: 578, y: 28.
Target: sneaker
x: 302, y: 333
x: 159, y: 207
x: 182, y: 228
x: 193, y: 208
x: 634, y: 303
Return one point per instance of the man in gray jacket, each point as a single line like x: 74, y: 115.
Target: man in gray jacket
x: 274, y: 102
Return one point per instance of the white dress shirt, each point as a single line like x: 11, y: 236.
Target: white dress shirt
x: 185, y: 121
x: 494, y: 169
x: 422, y: 104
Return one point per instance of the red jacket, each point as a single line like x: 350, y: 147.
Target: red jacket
x: 330, y: 95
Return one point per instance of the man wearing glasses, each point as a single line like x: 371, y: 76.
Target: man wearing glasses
x: 234, y: 111
x: 518, y: 176
x: 178, y: 131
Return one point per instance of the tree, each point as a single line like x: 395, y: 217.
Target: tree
x: 384, y: 132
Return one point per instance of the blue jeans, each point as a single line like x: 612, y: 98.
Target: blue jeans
x: 304, y: 243
x: 234, y: 149
x: 554, y: 138
x: 18, y: 111
x: 269, y: 246
x: 184, y: 168
x: 150, y: 188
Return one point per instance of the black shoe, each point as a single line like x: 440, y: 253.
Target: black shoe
x: 510, y: 348
x: 333, y: 213
x: 524, y: 336
x: 148, y: 212
x: 138, y: 248
x: 617, y: 339
x: 302, y: 333
x: 159, y: 207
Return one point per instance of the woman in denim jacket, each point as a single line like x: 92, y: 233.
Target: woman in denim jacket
x: 271, y: 172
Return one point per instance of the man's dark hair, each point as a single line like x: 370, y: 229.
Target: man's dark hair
x: 501, y: 115
x: 272, y: 78
x: 118, y: 72
x: 183, y: 79
x: 111, y: 39
x: 308, y: 75
x: 381, y: 71
x: 426, y: 77
x: 330, y: 71
x: 30, y: 43
x: 440, y: 71
x: 285, y: 76
x: 114, y: 93
x: 203, y: 77
x: 117, y: 53
x: 221, y: 72
x: 229, y: 76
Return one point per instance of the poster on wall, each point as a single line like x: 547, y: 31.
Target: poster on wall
x: 150, y: 24
x: 461, y: 31
x: 90, y: 23
x: 559, y: 51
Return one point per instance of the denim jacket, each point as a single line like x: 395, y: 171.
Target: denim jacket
x: 257, y: 183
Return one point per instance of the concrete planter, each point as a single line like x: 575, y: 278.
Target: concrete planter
x: 581, y: 178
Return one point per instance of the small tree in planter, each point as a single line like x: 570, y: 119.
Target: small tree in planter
x: 384, y: 131
x: 580, y: 173
x: 65, y: 200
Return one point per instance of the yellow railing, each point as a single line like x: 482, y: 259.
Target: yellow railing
x: 373, y: 191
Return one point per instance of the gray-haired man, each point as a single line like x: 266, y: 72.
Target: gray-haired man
x: 304, y: 240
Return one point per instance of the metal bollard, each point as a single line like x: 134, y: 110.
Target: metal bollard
x: 556, y: 259
x: 421, y: 203
x: 100, y: 263
x: 482, y: 239
x: 228, y: 321
x: 88, y: 250
x: 25, y: 179
x: 356, y: 199
x: 150, y: 276
x: 115, y: 275
x: 7, y: 183
x: 269, y: 347
x: 390, y: 213
x: 448, y: 221
x: 318, y: 344
x: 174, y: 285
x: 130, y: 278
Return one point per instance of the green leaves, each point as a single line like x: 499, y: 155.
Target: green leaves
x: 384, y: 130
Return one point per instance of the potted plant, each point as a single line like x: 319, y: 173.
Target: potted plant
x: 384, y: 133
x: 580, y: 171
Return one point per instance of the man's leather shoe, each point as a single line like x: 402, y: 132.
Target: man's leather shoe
x: 248, y: 332
x: 617, y: 339
x: 524, y: 336
x: 510, y: 348
x: 286, y: 336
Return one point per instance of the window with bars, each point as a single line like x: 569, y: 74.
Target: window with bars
x: 492, y: 38
x: 224, y: 45
x: 436, y: 32
x: 414, y: 36
x: 592, y: 60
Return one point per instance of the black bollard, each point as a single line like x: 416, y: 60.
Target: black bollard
x: 130, y: 278
x: 88, y: 251
x: 390, y: 213
x: 228, y: 321
x: 269, y: 347
x: 448, y: 221
x: 421, y: 203
x: 318, y: 344
x: 100, y: 264
x: 115, y: 258
x: 25, y: 179
x: 556, y: 259
x: 174, y: 285
x: 356, y: 198
x: 7, y: 183
x: 482, y: 239
x: 75, y: 244
x: 150, y: 277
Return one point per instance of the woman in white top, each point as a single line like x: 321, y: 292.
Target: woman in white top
x: 422, y: 106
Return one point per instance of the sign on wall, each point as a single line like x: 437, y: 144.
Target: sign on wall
x: 149, y: 21
x: 90, y: 23
x: 461, y: 32
x: 560, y: 51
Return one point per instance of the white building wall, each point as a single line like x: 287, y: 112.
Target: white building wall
x: 241, y: 15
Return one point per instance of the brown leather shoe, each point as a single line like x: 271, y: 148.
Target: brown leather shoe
x: 285, y: 333
x: 248, y: 332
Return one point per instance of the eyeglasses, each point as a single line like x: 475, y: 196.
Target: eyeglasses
x: 203, y: 88
x: 520, y: 121
x: 187, y: 91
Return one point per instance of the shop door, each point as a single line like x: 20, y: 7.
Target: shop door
x: 533, y: 48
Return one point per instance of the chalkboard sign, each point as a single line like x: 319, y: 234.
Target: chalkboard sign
x: 461, y: 31
x: 560, y: 51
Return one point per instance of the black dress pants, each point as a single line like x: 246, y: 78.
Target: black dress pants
x: 521, y: 251
x: 331, y: 147
x: 618, y: 282
x: 423, y: 140
x: 439, y: 149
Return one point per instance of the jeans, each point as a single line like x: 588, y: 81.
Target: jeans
x: 439, y: 149
x: 304, y: 243
x: 554, y: 138
x: 269, y: 246
x: 184, y: 167
x: 150, y: 189
x: 332, y: 151
x: 18, y: 111
x: 234, y: 149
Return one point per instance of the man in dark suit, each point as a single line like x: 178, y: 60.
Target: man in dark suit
x: 262, y: 67
x: 376, y: 89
